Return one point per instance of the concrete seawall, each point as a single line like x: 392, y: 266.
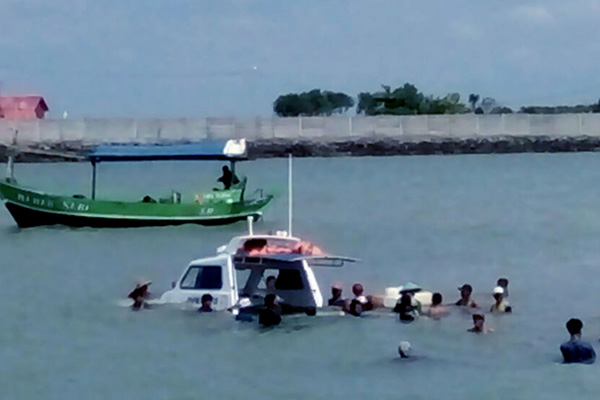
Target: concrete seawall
x: 325, y: 136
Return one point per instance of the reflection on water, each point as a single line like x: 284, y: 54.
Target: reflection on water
x: 438, y: 221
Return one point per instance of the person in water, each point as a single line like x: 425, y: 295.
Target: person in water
x: 228, y: 178
x: 359, y: 303
x: 478, y: 324
x: 336, y: 299
x: 206, y: 303
x: 270, y: 314
x: 140, y: 294
x: 404, y: 350
x: 501, y: 304
x: 503, y: 283
x: 270, y: 284
x: 405, y: 308
x: 576, y: 350
x: 437, y: 310
x: 465, y: 297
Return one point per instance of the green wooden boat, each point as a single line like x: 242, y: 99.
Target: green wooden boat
x: 31, y: 207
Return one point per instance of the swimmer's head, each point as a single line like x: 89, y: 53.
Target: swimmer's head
x: 357, y: 289
x: 574, y: 326
x: 336, y: 289
x: 436, y: 299
x: 498, y: 292
x: 466, y: 290
x: 502, y: 282
x: 404, y: 349
x: 478, y: 320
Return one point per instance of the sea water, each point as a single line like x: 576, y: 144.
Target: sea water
x: 438, y: 221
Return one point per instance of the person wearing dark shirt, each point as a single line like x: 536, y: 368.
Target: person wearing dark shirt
x: 576, y: 350
x: 140, y: 294
x: 206, y: 303
x: 405, y: 308
x: 336, y: 299
x: 360, y: 302
x: 228, y: 178
x: 270, y: 315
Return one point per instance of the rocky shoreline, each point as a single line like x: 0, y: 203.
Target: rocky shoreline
x: 372, y: 146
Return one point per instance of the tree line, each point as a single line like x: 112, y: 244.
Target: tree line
x: 403, y: 100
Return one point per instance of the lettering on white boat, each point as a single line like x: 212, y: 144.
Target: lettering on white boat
x: 75, y: 206
x: 36, y: 201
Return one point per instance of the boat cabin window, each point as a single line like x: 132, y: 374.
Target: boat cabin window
x: 285, y: 279
x: 203, y: 277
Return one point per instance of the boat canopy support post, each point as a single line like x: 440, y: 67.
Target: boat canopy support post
x: 232, y: 166
x: 290, y: 203
x: 10, y: 168
x: 93, y: 180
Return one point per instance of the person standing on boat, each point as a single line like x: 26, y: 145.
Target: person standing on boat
x: 576, y: 350
x: 228, y: 178
x: 336, y: 299
x: 270, y: 314
x: 206, y: 303
x: 465, y: 297
x: 140, y: 294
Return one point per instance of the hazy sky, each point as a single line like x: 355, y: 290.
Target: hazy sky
x: 172, y: 58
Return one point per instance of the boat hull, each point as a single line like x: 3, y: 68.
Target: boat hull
x: 31, y: 208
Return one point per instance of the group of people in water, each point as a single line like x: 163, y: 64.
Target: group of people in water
x: 408, y: 308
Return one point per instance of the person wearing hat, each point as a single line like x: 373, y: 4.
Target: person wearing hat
x: 140, y: 294
x: 501, y: 304
x: 503, y: 283
x: 410, y: 289
x: 404, y: 307
x: 336, y: 299
x: 465, y: 297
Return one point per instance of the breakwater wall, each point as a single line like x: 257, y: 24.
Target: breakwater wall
x: 323, y: 136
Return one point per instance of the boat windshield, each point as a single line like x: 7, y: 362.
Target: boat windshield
x: 202, y: 277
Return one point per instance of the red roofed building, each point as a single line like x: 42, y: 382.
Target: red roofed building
x: 22, y: 107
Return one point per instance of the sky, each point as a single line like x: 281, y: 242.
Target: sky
x: 217, y: 58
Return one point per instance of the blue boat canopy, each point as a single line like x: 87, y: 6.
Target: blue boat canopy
x: 224, y: 150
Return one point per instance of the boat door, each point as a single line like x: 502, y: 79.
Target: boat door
x: 212, y: 275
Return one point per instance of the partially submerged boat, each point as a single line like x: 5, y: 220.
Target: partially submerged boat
x: 31, y: 207
x: 237, y: 274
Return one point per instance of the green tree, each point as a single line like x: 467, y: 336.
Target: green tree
x: 312, y: 103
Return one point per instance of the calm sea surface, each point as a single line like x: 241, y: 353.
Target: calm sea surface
x: 438, y: 221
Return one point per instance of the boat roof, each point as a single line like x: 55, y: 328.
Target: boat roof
x: 224, y: 150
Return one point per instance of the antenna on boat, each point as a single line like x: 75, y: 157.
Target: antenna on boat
x: 11, y: 157
x: 290, y: 203
x: 250, y: 227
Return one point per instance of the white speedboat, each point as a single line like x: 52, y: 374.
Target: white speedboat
x: 237, y: 274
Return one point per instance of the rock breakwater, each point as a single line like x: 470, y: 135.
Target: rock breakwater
x: 357, y: 147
